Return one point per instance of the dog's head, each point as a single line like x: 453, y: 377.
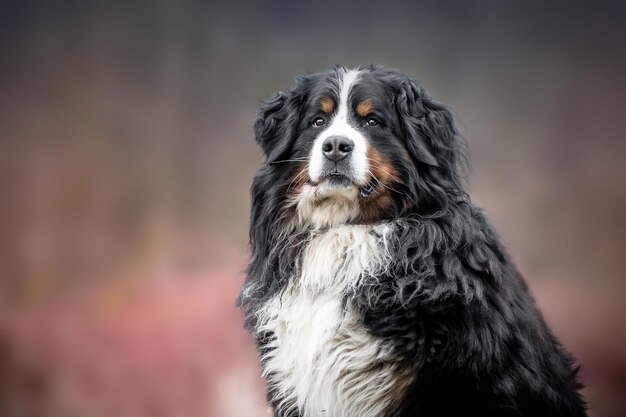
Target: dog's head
x: 356, y: 146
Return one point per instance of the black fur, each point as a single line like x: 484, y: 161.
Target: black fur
x: 453, y: 306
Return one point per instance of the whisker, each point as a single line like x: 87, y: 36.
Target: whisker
x: 390, y: 188
x: 288, y: 160
x: 381, y: 168
x: 392, y: 176
x: 298, y: 178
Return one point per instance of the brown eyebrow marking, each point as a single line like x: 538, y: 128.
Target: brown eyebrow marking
x: 364, y: 108
x: 327, y: 105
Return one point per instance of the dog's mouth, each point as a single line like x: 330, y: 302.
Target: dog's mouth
x: 338, y: 180
x: 334, y: 180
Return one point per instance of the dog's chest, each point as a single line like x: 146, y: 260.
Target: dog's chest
x: 321, y: 360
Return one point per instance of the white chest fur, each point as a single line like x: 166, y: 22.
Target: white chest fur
x: 322, y: 361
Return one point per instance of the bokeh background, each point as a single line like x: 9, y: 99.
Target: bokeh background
x: 126, y: 156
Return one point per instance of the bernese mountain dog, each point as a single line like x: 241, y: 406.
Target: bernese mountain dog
x: 376, y: 288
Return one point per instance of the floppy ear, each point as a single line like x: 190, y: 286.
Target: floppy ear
x: 276, y: 124
x: 431, y: 134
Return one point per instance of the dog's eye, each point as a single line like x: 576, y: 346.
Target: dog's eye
x: 372, y: 122
x: 319, y: 122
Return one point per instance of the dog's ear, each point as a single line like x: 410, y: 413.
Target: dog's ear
x: 429, y: 129
x: 276, y: 125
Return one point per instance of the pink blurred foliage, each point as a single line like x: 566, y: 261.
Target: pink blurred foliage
x: 174, y: 349
x: 591, y: 326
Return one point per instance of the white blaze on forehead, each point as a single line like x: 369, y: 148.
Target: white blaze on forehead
x: 348, y: 80
x: 340, y: 126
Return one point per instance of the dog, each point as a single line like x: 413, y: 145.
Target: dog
x: 376, y: 288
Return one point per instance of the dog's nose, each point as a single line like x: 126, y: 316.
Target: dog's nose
x: 336, y: 148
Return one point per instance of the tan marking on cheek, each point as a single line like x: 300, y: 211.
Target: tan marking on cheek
x: 380, y: 205
x: 380, y: 166
x: 327, y: 105
x: 364, y: 108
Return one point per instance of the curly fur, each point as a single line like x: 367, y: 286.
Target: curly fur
x: 409, y: 306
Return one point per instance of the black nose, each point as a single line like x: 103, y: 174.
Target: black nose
x: 336, y: 148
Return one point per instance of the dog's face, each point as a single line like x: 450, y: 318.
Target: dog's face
x: 355, y: 146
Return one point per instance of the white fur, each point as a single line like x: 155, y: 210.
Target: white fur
x: 322, y: 361
x: 340, y: 126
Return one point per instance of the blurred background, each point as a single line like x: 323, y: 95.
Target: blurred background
x: 126, y: 156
